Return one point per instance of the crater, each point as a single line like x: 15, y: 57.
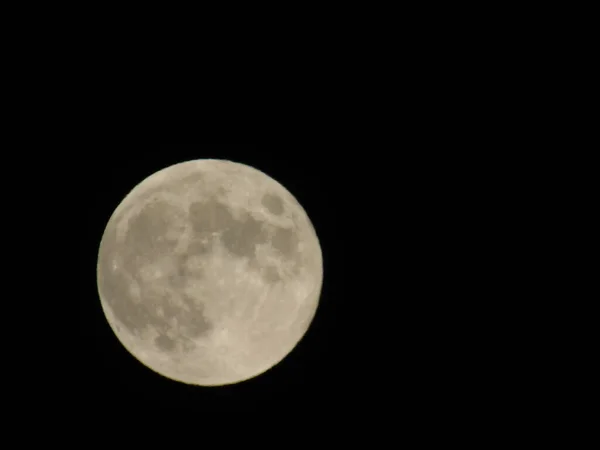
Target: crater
x: 271, y: 275
x: 273, y: 203
x: 187, y: 345
x: 185, y: 269
x: 165, y: 343
x: 195, y: 323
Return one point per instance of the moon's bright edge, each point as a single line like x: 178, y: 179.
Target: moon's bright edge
x: 209, y: 272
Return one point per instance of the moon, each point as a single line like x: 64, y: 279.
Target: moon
x: 209, y: 272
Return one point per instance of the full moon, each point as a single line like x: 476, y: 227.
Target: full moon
x: 209, y: 272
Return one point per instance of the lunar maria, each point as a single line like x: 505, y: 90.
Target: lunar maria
x: 209, y: 272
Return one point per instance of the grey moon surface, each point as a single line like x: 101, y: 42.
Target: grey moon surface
x: 209, y: 272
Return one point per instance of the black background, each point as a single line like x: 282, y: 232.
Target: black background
x: 326, y: 365
x: 406, y: 303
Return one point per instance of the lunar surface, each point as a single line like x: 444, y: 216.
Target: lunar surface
x: 209, y: 272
